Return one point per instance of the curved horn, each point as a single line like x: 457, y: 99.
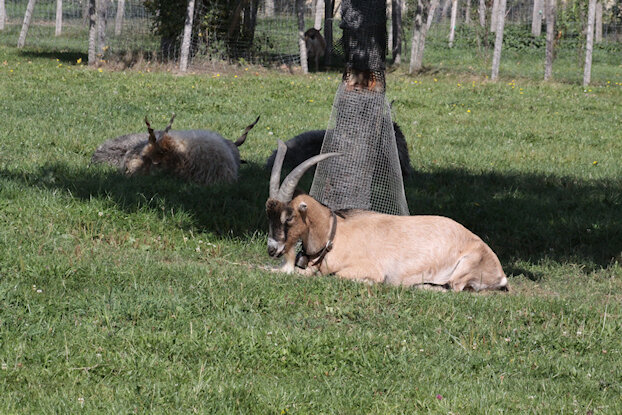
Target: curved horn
x: 242, y: 138
x: 152, y: 137
x: 286, y: 192
x: 275, y: 177
x: 170, y: 124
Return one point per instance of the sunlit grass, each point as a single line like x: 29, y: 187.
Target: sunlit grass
x: 146, y: 294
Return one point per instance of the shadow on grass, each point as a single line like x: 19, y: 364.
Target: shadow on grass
x: 236, y: 209
x: 528, y: 217
x: 63, y: 55
x: 524, y: 217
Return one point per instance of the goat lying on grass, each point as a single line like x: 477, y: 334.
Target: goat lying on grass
x: 201, y: 156
x: 309, y: 143
x: 421, y: 251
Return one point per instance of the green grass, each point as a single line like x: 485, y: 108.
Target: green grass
x: 146, y: 294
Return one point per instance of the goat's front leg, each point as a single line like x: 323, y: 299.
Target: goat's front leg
x: 289, y: 262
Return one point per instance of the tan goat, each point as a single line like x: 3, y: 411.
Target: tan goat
x: 418, y: 251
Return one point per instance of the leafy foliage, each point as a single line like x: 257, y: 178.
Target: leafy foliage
x: 214, y: 21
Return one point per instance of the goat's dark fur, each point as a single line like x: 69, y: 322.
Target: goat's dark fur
x: 309, y: 144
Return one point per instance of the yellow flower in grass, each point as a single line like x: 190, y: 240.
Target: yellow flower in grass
x: 79, y: 61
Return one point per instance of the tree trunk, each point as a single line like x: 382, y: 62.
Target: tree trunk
x: 496, y: 56
x: 329, y: 10
x: 102, y: 14
x: 493, y: 16
x: 536, y: 18
x: 319, y: 14
x: 589, y: 43
x: 185, y: 43
x: 430, y: 17
x: 92, y: 13
x: 452, y: 28
x: 445, y: 9
x: 85, y: 12
x: 59, y: 18
x: 550, y: 38
x: 118, y: 21
x: 418, y: 38
x: 302, y: 46
x: 269, y: 8
x: 2, y: 15
x: 467, y: 13
x: 396, y: 29
x: 27, y: 18
x: 482, y: 13
x: 598, y: 22
x: 250, y: 22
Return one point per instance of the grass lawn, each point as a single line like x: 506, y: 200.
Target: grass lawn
x: 145, y: 294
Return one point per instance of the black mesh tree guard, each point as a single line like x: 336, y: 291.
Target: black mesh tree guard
x: 367, y: 175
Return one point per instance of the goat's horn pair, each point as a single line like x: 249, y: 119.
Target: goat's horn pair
x: 152, y: 137
x: 285, y: 192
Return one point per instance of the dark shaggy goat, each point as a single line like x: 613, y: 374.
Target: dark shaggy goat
x: 309, y: 144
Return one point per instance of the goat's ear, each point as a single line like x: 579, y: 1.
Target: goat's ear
x: 302, y: 209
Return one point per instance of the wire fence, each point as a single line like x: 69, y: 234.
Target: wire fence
x: 131, y: 29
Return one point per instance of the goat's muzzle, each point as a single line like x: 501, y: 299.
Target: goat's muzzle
x: 275, y: 249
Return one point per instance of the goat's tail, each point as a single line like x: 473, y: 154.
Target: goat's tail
x: 242, y: 138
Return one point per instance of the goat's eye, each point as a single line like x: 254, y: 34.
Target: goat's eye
x: 290, y: 220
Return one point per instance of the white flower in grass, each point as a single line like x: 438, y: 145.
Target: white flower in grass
x: 198, y: 249
x: 100, y: 214
x: 81, y: 401
x: 39, y: 291
x: 5, y: 366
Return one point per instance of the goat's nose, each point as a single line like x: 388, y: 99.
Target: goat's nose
x: 273, y: 247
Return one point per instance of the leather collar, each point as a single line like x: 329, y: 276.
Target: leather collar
x: 318, y: 257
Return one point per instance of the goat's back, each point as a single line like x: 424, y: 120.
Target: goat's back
x: 410, y: 250
x: 309, y: 144
x: 204, y: 156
